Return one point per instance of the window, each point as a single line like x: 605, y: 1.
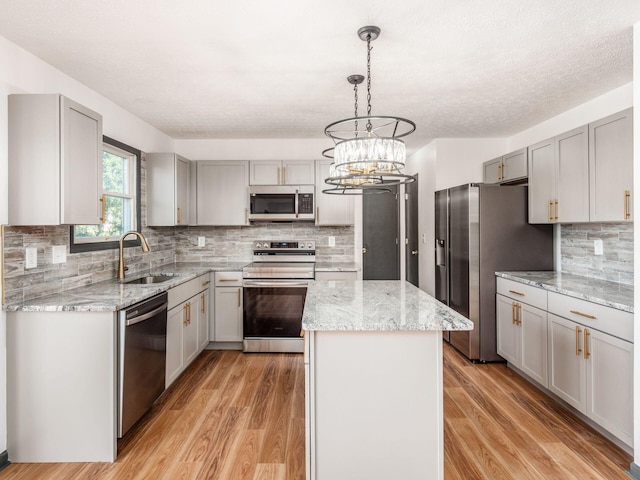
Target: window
x: 120, y: 201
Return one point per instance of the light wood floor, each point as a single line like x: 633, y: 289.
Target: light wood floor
x: 235, y: 416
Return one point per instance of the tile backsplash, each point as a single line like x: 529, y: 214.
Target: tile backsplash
x: 577, y: 250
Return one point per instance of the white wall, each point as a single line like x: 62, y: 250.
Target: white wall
x: 22, y: 72
x: 636, y: 245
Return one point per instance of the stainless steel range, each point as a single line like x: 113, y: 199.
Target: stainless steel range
x: 275, y: 287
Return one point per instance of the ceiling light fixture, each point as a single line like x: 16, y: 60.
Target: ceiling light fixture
x: 368, y: 155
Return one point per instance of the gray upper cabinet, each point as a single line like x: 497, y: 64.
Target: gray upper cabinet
x: 542, y: 183
x: 281, y: 172
x: 168, y: 186
x: 611, y: 167
x: 222, y: 193
x: 55, y: 161
x: 571, y: 203
x: 331, y: 209
x: 506, y: 169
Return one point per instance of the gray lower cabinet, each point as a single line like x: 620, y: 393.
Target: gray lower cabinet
x: 55, y: 161
x: 228, y: 307
x: 222, y: 193
x: 580, y: 351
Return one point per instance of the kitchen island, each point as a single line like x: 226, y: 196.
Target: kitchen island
x: 373, y: 380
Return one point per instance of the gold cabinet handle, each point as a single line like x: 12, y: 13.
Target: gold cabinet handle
x: 204, y: 284
x: 516, y: 293
x: 513, y: 312
x: 587, y: 353
x: 284, y: 175
x: 627, y: 204
x: 239, y: 297
x: 179, y: 219
x: 519, y: 312
x: 202, y: 302
x: 185, y: 315
x: 103, y: 209
x: 549, y: 205
x: 189, y: 313
x: 592, y: 317
x: 227, y: 280
x: 556, y: 209
x: 278, y: 175
x: 578, y: 349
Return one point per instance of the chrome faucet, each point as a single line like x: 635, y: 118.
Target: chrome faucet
x: 145, y: 248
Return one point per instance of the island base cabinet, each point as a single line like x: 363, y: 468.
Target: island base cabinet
x: 374, y: 405
x: 61, y: 386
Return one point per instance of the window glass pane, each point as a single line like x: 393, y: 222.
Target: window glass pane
x: 118, y: 219
x: 114, y: 173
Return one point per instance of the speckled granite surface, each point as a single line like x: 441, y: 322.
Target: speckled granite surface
x: 113, y: 295
x: 376, y: 305
x: 337, y: 267
x: 602, y: 292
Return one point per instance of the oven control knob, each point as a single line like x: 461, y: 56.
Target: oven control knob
x: 309, y: 245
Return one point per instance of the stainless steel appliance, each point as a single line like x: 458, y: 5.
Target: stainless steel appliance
x: 274, y: 289
x: 481, y: 229
x: 142, y: 346
x: 281, y: 203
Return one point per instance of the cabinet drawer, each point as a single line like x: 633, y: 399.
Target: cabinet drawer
x: 608, y: 320
x: 228, y: 279
x: 184, y: 291
x: 534, y: 296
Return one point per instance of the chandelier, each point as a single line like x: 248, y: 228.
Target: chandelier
x: 368, y: 155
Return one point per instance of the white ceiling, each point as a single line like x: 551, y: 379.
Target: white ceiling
x: 278, y: 68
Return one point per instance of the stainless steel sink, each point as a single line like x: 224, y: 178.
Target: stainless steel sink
x: 150, y: 279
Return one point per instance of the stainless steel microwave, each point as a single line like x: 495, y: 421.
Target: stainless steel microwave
x: 281, y: 203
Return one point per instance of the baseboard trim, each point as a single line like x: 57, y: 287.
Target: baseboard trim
x: 634, y: 471
x: 4, y: 460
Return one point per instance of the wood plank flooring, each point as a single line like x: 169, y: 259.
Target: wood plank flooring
x: 241, y: 417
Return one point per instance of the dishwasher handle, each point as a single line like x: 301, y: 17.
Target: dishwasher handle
x: 145, y: 316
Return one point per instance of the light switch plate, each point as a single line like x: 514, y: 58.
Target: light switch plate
x: 332, y: 241
x: 31, y: 257
x: 59, y: 254
x: 597, y: 247
x: 201, y: 241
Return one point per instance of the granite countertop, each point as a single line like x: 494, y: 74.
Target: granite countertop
x: 337, y: 267
x: 602, y: 292
x: 376, y: 305
x: 113, y: 295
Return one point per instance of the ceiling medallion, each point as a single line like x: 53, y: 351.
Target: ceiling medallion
x: 368, y: 155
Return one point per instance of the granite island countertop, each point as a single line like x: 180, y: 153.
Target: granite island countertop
x: 325, y: 266
x: 602, y: 292
x: 376, y: 305
x: 112, y: 295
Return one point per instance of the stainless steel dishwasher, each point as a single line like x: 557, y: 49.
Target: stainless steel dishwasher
x: 142, y: 347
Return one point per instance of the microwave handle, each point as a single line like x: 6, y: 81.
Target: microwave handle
x: 297, y: 196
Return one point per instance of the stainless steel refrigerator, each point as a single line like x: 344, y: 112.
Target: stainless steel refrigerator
x: 481, y: 229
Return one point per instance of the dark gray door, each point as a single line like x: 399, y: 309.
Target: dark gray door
x: 411, y: 231
x: 380, y: 230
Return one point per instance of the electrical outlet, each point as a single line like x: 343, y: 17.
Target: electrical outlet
x: 31, y: 257
x: 597, y: 247
x: 424, y: 238
x: 59, y: 254
x: 201, y: 241
x: 332, y: 241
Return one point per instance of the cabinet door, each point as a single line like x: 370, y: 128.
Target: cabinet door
x: 223, y: 196
x: 533, y: 350
x: 182, y: 191
x: 175, y: 360
x: 81, y: 165
x: 492, y: 171
x: 572, y: 157
x: 514, y: 165
x: 610, y: 383
x: 265, y: 172
x: 611, y: 167
x: 298, y: 172
x: 190, y: 331
x: 331, y: 209
x: 542, y: 192
x: 508, y: 332
x: 203, y: 320
x: 567, y: 376
x: 228, y: 314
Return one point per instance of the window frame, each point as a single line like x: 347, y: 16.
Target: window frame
x: 114, y: 244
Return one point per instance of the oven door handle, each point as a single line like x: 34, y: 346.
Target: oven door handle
x: 269, y: 283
